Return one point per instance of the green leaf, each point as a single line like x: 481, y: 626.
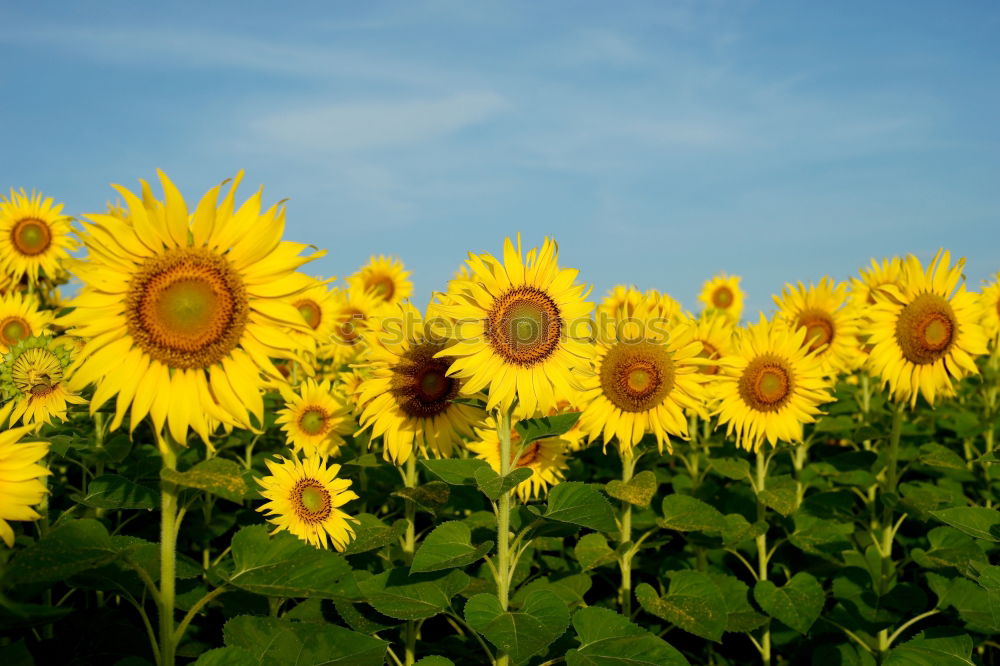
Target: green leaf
x: 738, y: 529
x: 976, y: 521
x: 609, y: 639
x: 571, y: 589
x: 284, y: 566
x: 541, y: 620
x: 693, y: 602
x: 431, y: 496
x: 371, y: 533
x: 740, y: 615
x: 638, y: 491
x: 689, y: 514
x: 449, y: 545
x: 277, y: 642
x: 412, y: 597
x: 434, y: 660
x: 68, y: 549
x: 592, y: 551
x: 580, y: 504
x: 227, y: 656
x: 949, y: 548
x: 971, y: 601
x: 456, y: 472
x: 937, y: 455
x: 736, y: 469
x: 217, y: 476
x: 781, y: 494
x: 110, y: 491
x: 989, y: 578
x: 548, y: 426
x: 797, y: 604
x: 941, y: 647
x: 493, y: 485
x: 16, y: 654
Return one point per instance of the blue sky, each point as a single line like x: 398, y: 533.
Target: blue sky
x: 658, y: 142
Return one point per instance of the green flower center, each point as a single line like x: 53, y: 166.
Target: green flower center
x: 31, y: 236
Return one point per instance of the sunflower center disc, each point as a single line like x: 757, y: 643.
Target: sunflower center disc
x: 313, y: 421
x: 13, y: 330
x: 37, y: 372
x: 310, y: 313
x: 524, y: 326
x: 383, y: 287
x: 349, y: 327
x: 31, y: 236
x: 311, y: 501
x: 420, y: 383
x: 528, y: 456
x: 636, y: 377
x: 187, y: 308
x: 766, y: 383
x: 925, y: 329
x: 722, y: 298
x: 819, y: 328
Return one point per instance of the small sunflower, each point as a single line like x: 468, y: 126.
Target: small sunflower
x: 21, y: 487
x: 315, y: 419
x: 641, y: 381
x: 318, y: 307
x: 723, y: 294
x: 831, y: 323
x: 716, y: 334
x: 385, y: 277
x: 20, y: 319
x: 349, y: 384
x: 546, y: 458
x: 873, y: 278
x: 32, y: 380
x: 35, y: 237
x: 305, y: 499
x: 990, y: 302
x: 408, y: 396
x: 770, y: 385
x: 522, y: 324
x: 926, y: 331
x: 354, y: 312
x: 620, y: 302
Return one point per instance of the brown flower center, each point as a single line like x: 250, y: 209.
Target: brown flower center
x: 31, y: 236
x: 13, y: 329
x: 767, y: 383
x: 926, y: 329
x: 349, y: 329
x: 636, y: 377
x: 710, y: 352
x: 819, y: 328
x: 311, y: 501
x: 524, y: 326
x: 313, y: 421
x: 382, y: 285
x: 528, y: 456
x: 310, y: 311
x: 722, y: 297
x: 420, y: 383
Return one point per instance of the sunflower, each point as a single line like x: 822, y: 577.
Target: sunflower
x: 315, y: 419
x: 723, y: 294
x: 886, y: 272
x: 34, y: 236
x: 522, y: 325
x: 641, y: 381
x: 20, y: 484
x: 408, y: 397
x: 354, y: 311
x: 317, y: 306
x: 20, y: 319
x: 990, y: 302
x: 620, y: 302
x: 716, y: 334
x: 32, y: 380
x: 831, y: 323
x: 349, y: 383
x: 305, y: 496
x: 770, y: 385
x: 385, y: 277
x: 182, y: 313
x: 926, y: 331
x: 546, y: 458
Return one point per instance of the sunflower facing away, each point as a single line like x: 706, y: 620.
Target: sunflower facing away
x: 546, y: 458
x: 315, y: 419
x: 831, y: 323
x: 305, y: 499
x: 642, y: 381
x: 521, y: 326
x: 990, y: 302
x: 723, y: 294
x: 182, y: 312
x: 770, y: 385
x: 20, y: 484
x: 926, y: 331
x: 408, y: 396
x: 385, y: 277
x: 34, y: 236
x: 20, y: 319
x: 32, y: 379
x: 873, y: 278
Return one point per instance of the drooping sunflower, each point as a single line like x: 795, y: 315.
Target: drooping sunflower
x: 521, y: 325
x: 546, y: 458
x: 770, y: 385
x: 385, y: 277
x: 879, y: 274
x: 831, y: 323
x: 408, y: 395
x: 32, y: 380
x: 723, y: 294
x: 34, y: 236
x: 305, y: 499
x: 20, y: 484
x: 641, y: 381
x: 315, y: 418
x: 20, y: 319
x: 989, y: 300
x: 182, y: 313
x: 926, y: 331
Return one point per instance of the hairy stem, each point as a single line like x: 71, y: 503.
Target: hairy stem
x: 625, y: 535
x: 888, y: 529
x: 168, y: 554
x: 409, y: 547
x: 762, y: 555
x: 503, y: 523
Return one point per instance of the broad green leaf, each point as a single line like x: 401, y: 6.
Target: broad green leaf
x: 217, y: 476
x: 227, y: 656
x: 412, y: 597
x: 284, y: 566
x: 17, y: 615
x: 781, y: 494
x: 580, y: 504
x: 371, y: 533
x: 689, y: 514
x: 976, y: 521
x: 277, y: 642
x: 72, y: 547
x: 693, y: 602
x: 989, y: 578
x: 449, y: 545
x: 738, y: 529
x: 943, y: 647
x: 456, y: 472
x: 937, y: 455
x: 740, y: 615
x: 520, y: 633
x: 638, y: 491
x: 16, y: 654
x: 736, y: 469
x: 431, y: 496
x: 949, y: 548
x: 111, y: 491
x: 548, y: 426
x: 434, y: 660
x: 971, y: 601
x: 798, y: 604
x: 592, y: 551
x: 609, y: 639
x: 493, y: 485
x: 570, y: 589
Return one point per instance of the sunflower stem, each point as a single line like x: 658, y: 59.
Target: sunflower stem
x: 409, y: 547
x: 888, y: 529
x: 762, y: 554
x: 625, y: 534
x: 168, y: 553
x: 503, y: 521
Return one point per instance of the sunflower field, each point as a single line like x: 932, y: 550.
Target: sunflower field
x: 208, y: 456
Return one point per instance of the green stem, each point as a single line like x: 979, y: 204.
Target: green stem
x: 888, y: 529
x: 409, y: 548
x: 168, y: 554
x: 503, y: 523
x: 625, y: 535
x: 761, y: 484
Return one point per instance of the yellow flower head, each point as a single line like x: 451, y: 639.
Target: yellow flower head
x: 35, y: 237
x: 723, y: 294
x: 317, y: 306
x: 32, y: 380
x: 20, y: 484
x: 873, y: 278
x: 385, y: 277
x: 716, y: 334
x: 546, y: 458
x: 20, y: 319
x: 990, y: 302
x: 831, y: 323
x: 315, y: 419
x: 354, y: 313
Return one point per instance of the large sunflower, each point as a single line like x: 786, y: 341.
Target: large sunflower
x: 926, y: 331
x: 770, y: 385
x: 182, y: 313
x: 32, y: 380
x: 20, y: 319
x: 34, y: 236
x: 20, y: 484
x: 990, y: 302
x: 831, y: 323
x: 521, y: 324
x: 385, y: 277
x: 305, y: 497
x: 641, y: 381
x: 546, y: 458
x: 408, y: 396
x: 723, y: 294
x: 873, y: 278
x: 315, y: 418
